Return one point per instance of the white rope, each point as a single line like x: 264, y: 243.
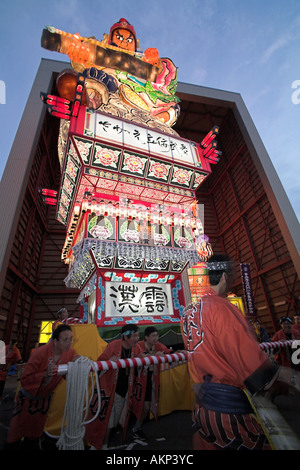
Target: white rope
x: 79, y: 391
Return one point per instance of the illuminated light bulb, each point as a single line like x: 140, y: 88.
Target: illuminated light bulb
x: 134, y: 212
x: 110, y: 208
x: 186, y: 221
x: 93, y: 206
x: 172, y: 219
x: 168, y: 219
x: 139, y: 215
x: 77, y: 209
x: 84, y: 205
x: 199, y: 226
x: 101, y: 210
x: 155, y: 218
x: 144, y: 215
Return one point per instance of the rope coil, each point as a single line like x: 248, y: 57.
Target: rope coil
x: 78, y: 396
x: 80, y: 386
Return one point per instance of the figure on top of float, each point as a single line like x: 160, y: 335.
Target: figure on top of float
x: 107, y: 81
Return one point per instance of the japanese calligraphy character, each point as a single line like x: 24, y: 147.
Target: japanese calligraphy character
x: 156, y: 298
x: 105, y: 125
x: 127, y: 294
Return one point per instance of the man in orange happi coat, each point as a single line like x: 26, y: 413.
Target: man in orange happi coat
x: 226, y: 359
x: 37, y: 385
x: 116, y: 389
x: 146, y: 391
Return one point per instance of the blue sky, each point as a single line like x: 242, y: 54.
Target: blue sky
x: 251, y: 47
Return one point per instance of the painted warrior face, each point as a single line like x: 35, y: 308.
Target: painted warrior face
x: 124, y: 39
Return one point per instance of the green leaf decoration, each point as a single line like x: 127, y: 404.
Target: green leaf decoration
x: 92, y: 223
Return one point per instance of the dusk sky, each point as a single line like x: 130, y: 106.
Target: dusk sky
x: 249, y: 47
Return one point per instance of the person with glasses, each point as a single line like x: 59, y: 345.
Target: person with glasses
x: 38, y: 382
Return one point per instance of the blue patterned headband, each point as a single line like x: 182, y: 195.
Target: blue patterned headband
x: 128, y: 332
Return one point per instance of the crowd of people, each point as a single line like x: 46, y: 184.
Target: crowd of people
x: 225, y: 360
x: 119, y: 397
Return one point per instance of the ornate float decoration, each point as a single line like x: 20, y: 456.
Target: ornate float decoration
x: 128, y: 180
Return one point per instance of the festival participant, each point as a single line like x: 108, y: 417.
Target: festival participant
x: 61, y: 315
x: 12, y: 357
x: 259, y: 329
x: 261, y: 332
x: 38, y: 382
x: 116, y: 389
x: 225, y: 360
x: 296, y: 326
x: 148, y: 381
x: 286, y: 333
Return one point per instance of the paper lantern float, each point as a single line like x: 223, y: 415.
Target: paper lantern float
x: 127, y: 190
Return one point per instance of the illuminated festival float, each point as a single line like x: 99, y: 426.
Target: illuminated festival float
x: 128, y: 181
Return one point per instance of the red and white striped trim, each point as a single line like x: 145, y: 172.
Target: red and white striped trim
x: 133, y: 362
